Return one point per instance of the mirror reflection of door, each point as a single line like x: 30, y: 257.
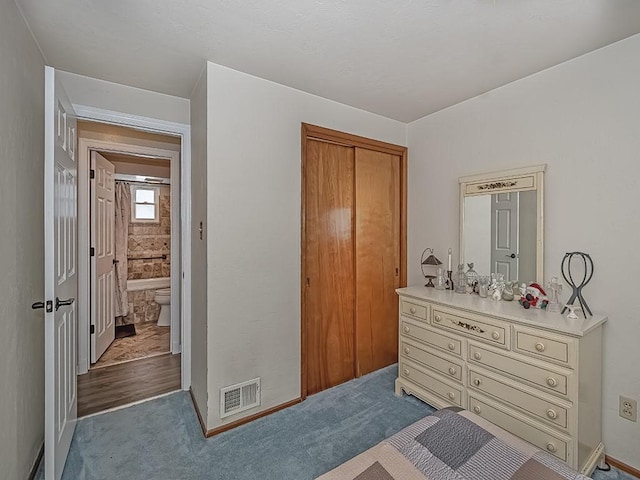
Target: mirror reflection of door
x: 504, y: 234
x: 500, y: 234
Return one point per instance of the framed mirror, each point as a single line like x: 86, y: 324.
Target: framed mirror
x: 501, y: 223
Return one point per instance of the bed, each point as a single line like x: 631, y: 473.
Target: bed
x: 453, y: 444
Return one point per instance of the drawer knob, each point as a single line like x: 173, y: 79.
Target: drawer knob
x: 552, y: 382
x: 452, y: 371
x: 552, y: 414
x: 451, y: 346
x: 477, y: 382
x: 437, y: 318
x: 540, y: 347
x: 451, y: 395
x: 495, y: 335
x: 551, y: 447
x: 477, y: 409
x: 406, y: 372
x: 406, y: 350
x: 477, y: 355
x: 412, y: 309
x: 406, y: 329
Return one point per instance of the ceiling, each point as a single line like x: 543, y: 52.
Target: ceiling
x: 399, y: 58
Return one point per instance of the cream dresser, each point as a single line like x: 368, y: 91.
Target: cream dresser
x: 533, y: 373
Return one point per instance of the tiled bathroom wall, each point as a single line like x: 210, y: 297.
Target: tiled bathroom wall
x: 142, y: 307
x: 151, y: 240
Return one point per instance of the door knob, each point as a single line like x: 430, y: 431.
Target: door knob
x: 48, y: 306
x: 513, y: 255
x: 63, y: 303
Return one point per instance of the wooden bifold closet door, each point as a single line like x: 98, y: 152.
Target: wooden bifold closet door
x: 352, y: 206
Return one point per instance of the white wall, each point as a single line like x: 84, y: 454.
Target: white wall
x: 199, y: 315
x: 254, y: 184
x: 95, y: 93
x: 21, y: 245
x: 582, y: 118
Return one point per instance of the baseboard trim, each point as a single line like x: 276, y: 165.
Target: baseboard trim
x: 195, y: 405
x: 242, y: 421
x: 622, y: 466
x: 34, y: 468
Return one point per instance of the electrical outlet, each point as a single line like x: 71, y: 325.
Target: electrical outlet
x: 628, y: 408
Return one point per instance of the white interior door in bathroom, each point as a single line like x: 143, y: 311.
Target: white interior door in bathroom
x: 103, y: 323
x: 60, y: 276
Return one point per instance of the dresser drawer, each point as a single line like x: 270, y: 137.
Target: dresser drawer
x: 451, y: 395
x: 489, y: 330
x: 504, y: 392
x: 441, y: 365
x: 542, y: 377
x: 544, y: 345
x: 414, y: 310
x: 503, y: 417
x: 438, y: 340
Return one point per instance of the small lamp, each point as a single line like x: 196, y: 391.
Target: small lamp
x: 430, y: 261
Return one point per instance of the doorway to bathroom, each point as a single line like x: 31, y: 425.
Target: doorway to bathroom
x: 131, y: 262
x: 130, y: 339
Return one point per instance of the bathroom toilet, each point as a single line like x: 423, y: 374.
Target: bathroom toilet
x: 163, y: 298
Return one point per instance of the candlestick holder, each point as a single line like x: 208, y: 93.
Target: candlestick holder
x: 449, y: 281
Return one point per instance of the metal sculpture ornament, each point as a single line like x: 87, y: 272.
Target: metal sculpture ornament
x: 573, y: 279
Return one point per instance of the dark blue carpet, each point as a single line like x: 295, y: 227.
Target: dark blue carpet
x: 161, y: 439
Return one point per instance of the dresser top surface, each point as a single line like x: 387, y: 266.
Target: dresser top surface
x: 513, y: 311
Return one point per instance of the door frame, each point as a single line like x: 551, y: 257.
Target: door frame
x: 314, y: 132
x: 180, y: 217
x: 85, y: 147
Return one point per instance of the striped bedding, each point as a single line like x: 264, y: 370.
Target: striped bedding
x: 453, y: 444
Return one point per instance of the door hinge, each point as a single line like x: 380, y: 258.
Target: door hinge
x: 92, y: 174
x: 92, y: 252
x: 92, y: 329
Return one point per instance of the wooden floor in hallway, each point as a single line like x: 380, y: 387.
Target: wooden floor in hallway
x: 116, y: 385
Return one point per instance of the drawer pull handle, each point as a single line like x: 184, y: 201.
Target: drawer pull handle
x: 477, y: 409
x: 406, y: 329
x: 495, y: 335
x: 451, y: 346
x: 406, y: 372
x: 452, y: 371
x: 477, y: 382
x: 412, y: 310
x: 437, y: 318
x: 451, y: 395
x: 552, y: 414
x: 406, y: 350
x: 552, y: 382
x: 551, y: 447
x: 477, y: 355
x: 540, y: 347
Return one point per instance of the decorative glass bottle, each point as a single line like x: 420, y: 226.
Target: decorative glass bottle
x: 471, y: 278
x: 461, y: 280
x: 440, y: 280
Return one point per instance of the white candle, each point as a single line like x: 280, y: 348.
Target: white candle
x: 449, y: 263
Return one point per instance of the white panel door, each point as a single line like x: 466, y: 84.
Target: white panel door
x: 504, y: 234
x: 103, y: 240
x: 60, y: 275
